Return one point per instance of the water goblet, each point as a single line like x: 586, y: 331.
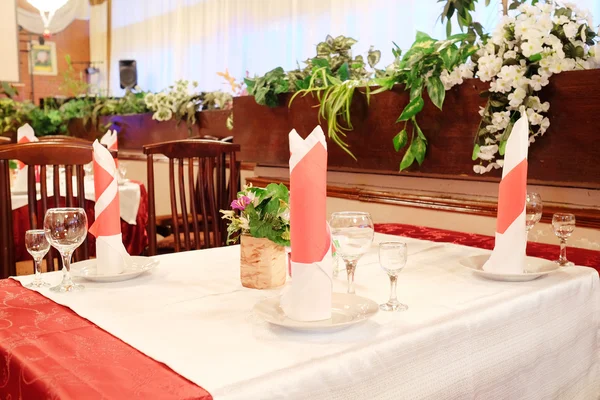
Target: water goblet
x: 66, y: 229
x: 533, y: 211
x: 353, y: 233
x: 37, y: 245
x: 563, y: 225
x: 392, y: 258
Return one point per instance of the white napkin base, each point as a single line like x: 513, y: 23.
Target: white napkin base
x: 308, y: 298
x: 111, y: 256
x: 509, y: 255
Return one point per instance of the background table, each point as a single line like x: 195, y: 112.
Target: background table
x: 462, y: 337
x: 135, y: 237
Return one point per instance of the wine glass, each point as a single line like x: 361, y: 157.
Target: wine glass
x: 534, y: 207
x: 563, y: 225
x: 37, y: 245
x: 66, y: 229
x: 392, y: 258
x: 353, y: 232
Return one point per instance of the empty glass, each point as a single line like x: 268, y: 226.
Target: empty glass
x: 66, y: 229
x: 37, y: 245
x: 563, y: 225
x: 353, y: 234
x: 392, y: 258
x: 533, y: 210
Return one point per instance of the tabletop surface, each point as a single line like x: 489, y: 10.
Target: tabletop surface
x: 460, y: 335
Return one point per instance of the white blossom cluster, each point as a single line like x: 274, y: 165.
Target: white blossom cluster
x: 518, y: 60
x: 170, y: 101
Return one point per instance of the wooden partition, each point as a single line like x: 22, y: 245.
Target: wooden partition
x: 567, y: 155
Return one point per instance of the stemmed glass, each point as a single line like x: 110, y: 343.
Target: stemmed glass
x: 37, y: 245
x: 392, y: 258
x: 353, y: 232
x: 66, y: 229
x: 563, y: 225
x: 534, y: 207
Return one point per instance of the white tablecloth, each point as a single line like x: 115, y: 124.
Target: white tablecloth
x: 129, y: 197
x: 463, y: 337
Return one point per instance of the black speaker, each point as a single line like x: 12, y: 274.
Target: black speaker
x: 128, y: 74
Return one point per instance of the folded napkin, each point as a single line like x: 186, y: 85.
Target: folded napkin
x: 110, y: 141
x: 111, y: 256
x: 309, y: 296
x: 25, y: 134
x: 511, y: 236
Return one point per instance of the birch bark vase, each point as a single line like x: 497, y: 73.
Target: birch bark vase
x: 262, y: 263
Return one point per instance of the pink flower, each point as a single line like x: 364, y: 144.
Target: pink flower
x: 240, y: 203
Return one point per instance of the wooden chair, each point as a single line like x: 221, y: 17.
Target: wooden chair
x: 73, y: 156
x: 5, y: 140
x: 207, y: 191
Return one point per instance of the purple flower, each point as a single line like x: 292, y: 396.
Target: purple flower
x: 241, y: 203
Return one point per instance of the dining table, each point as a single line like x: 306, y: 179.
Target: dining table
x: 188, y: 329
x: 133, y: 210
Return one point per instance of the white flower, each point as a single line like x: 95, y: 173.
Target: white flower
x: 244, y: 224
x: 510, y: 54
x: 480, y: 169
x: 538, y: 81
x: 533, y: 117
x: 531, y: 47
x: 487, y: 153
x: 500, y: 86
x: 570, y: 29
x: 517, y: 97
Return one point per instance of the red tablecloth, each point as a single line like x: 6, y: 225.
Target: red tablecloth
x: 49, y: 352
x: 135, y: 237
x: 585, y: 257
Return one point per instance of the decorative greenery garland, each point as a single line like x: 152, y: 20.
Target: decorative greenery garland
x: 543, y: 39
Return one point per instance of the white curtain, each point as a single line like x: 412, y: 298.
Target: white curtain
x: 98, y: 47
x: 195, y: 39
x: 74, y: 9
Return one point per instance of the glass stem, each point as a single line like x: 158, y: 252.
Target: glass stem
x: 350, y: 269
x: 562, y: 258
x: 38, y: 270
x: 393, y: 290
x: 66, y: 258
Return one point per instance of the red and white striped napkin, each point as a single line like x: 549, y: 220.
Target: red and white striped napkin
x: 111, y: 256
x: 511, y: 236
x: 309, y: 296
x: 110, y: 141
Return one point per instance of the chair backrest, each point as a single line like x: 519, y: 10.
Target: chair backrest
x: 207, y: 189
x: 73, y: 156
x: 56, y: 138
x: 5, y: 140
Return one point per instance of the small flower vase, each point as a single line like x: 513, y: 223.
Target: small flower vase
x: 262, y: 263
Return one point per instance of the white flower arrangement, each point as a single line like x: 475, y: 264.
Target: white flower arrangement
x: 176, y: 100
x: 518, y: 61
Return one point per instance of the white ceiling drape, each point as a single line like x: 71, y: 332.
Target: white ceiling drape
x: 195, y: 39
x: 74, y: 9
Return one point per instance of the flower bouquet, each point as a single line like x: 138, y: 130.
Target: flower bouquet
x: 261, y: 218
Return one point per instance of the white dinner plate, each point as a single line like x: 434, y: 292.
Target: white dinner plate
x: 87, y: 270
x: 346, y: 310
x: 534, y: 268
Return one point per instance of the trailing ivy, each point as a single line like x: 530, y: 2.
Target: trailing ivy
x: 419, y: 70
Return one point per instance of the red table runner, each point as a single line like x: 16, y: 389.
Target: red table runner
x: 584, y: 257
x: 135, y: 237
x: 49, y: 352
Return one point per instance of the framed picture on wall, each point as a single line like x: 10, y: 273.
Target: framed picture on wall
x: 42, y: 59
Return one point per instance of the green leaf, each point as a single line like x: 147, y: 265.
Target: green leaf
x: 407, y: 160
x: 436, y: 91
x: 448, y: 28
x: 320, y: 62
x: 400, y: 140
x: 422, y: 36
x: 373, y: 57
x: 449, y: 56
x: 344, y: 73
x: 414, y: 107
x: 475, y: 152
x: 536, y: 57
x: 418, y: 148
x: 502, y: 147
